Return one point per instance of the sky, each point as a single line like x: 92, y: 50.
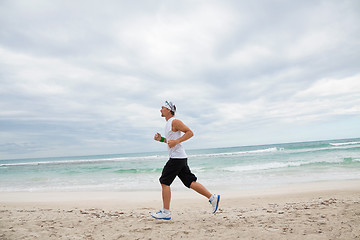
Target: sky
x: 90, y: 77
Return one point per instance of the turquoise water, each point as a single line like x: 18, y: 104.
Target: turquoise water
x: 235, y: 168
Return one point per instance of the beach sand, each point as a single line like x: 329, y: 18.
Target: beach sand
x: 311, y: 211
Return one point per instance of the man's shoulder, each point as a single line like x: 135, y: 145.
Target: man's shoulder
x: 176, y: 121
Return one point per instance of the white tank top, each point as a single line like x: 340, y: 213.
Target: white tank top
x: 178, y: 151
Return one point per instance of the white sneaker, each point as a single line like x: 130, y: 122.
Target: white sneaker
x: 215, y: 199
x: 161, y: 215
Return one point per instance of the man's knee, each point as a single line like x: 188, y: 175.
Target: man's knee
x: 192, y: 184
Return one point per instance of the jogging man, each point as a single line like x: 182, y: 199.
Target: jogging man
x: 177, y: 163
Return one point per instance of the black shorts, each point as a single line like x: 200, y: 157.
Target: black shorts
x: 177, y: 167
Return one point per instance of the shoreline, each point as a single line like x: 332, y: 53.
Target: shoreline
x: 53, y: 196
x: 326, y: 210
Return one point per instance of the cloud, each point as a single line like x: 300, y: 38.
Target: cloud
x: 333, y: 87
x: 83, y: 78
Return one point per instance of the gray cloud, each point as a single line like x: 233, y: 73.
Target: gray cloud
x: 83, y: 78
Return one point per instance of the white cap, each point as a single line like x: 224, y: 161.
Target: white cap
x: 169, y: 105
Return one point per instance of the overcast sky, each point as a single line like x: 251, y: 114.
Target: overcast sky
x: 89, y: 77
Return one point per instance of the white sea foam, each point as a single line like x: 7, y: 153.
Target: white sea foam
x: 332, y: 147
x: 80, y: 161
x: 258, y: 167
x: 276, y: 165
x: 344, y: 143
x: 284, y: 150
x: 259, y: 151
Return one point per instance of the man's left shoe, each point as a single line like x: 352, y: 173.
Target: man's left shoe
x: 161, y: 215
x: 215, y: 199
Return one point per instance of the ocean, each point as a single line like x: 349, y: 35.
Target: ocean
x: 233, y: 168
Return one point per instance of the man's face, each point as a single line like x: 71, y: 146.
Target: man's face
x: 164, y: 111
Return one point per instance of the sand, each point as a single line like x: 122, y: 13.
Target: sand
x: 310, y: 211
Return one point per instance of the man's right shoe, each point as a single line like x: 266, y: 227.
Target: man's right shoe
x: 161, y: 215
x: 214, y: 201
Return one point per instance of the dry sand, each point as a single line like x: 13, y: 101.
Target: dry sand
x: 311, y: 211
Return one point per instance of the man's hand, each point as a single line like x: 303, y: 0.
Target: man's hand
x: 157, y: 137
x: 173, y: 143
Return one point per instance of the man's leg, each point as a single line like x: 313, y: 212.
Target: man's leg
x: 213, y: 198
x: 166, y: 195
x: 198, y: 187
x: 165, y: 212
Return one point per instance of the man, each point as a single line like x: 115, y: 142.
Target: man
x: 177, y: 163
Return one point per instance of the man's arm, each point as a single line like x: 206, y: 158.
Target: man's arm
x: 178, y: 125
x: 157, y: 137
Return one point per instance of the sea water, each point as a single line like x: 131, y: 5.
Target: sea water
x: 234, y: 168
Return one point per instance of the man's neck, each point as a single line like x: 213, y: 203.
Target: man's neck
x: 168, y: 117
